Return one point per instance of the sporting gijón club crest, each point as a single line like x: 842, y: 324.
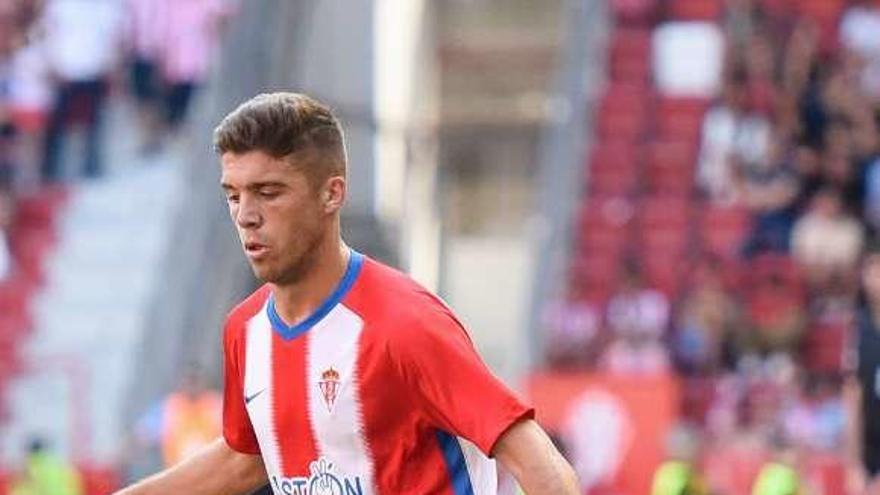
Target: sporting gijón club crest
x: 329, y: 387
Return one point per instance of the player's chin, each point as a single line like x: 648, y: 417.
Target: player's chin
x: 263, y: 271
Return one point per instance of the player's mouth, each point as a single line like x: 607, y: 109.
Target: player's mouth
x: 255, y: 251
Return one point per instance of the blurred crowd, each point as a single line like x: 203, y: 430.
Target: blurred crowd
x: 60, y: 63
x: 767, y: 306
x: 66, y: 67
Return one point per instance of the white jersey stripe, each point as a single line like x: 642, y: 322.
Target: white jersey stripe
x: 258, y: 393
x: 482, y: 470
x: 334, y: 402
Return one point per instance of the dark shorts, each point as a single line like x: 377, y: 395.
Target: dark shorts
x: 144, y: 84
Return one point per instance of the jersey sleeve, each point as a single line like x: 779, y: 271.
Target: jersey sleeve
x: 237, y: 428
x: 453, y: 387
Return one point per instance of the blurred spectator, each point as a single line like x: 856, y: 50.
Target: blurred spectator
x: 777, y: 318
x: 867, y: 353
x: 779, y: 476
x: 871, y: 211
x: 31, y: 95
x: 637, y: 309
x: 634, y: 354
x: 638, y: 317
x: 572, y: 324
x: 189, y: 40
x: 816, y: 419
x: 858, y: 34
x: 47, y: 474
x: 708, y: 317
x: 679, y: 474
x: 770, y: 192
x: 732, y: 137
x: 827, y: 241
x: 146, y: 25
x: 742, y: 20
x: 6, y: 207
x: 183, y: 422
x: 83, y: 42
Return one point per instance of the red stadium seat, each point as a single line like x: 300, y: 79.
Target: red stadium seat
x: 604, y: 224
x: 696, y: 10
x: 826, y: 472
x: 778, y: 8
x: 100, y: 480
x: 723, y: 230
x: 597, y: 274
x: 821, y: 11
x: 825, y: 347
x: 664, y: 212
x: 623, y: 112
x: 613, y: 169
x: 731, y: 470
x: 670, y: 167
x: 630, y: 56
x: 680, y: 118
x: 621, y: 126
x: 663, y: 270
x: 634, y: 12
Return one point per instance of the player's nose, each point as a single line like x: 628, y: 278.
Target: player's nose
x: 247, y: 216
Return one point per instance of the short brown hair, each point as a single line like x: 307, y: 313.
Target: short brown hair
x: 281, y: 125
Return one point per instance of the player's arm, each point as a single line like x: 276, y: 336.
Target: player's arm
x: 216, y: 470
x: 527, y: 452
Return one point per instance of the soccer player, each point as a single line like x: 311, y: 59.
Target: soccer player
x: 343, y: 376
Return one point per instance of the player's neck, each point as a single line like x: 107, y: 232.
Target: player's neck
x: 296, y: 302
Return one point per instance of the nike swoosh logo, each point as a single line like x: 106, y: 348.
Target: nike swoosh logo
x: 249, y: 398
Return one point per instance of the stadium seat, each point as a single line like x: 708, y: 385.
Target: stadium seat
x: 630, y: 56
x: 723, y: 230
x: 663, y: 270
x: 777, y: 8
x: 826, y: 472
x: 733, y: 470
x: 821, y: 11
x: 597, y: 274
x: 14, y: 295
x: 604, y: 225
x: 680, y: 118
x: 664, y: 212
x: 634, y: 12
x: 36, y: 210
x: 621, y: 125
x: 695, y: 10
x: 100, y: 480
x: 622, y: 113
x: 669, y: 167
x: 825, y: 346
x: 613, y: 169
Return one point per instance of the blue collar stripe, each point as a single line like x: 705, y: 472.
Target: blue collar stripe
x: 355, y: 261
x: 455, y: 464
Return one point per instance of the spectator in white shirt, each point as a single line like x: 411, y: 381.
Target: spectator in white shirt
x: 637, y: 309
x: 732, y: 138
x: 826, y: 241
x: 83, y: 43
x: 190, y: 39
x: 858, y: 33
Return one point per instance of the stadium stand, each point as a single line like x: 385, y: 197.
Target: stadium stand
x: 643, y: 203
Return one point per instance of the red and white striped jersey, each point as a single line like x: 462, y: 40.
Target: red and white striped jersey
x: 380, y: 391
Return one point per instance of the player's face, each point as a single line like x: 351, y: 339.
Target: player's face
x: 280, y: 218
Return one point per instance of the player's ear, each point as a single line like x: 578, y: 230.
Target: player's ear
x: 333, y: 195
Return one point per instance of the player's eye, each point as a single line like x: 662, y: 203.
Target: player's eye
x: 269, y: 193
x: 232, y: 198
